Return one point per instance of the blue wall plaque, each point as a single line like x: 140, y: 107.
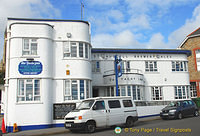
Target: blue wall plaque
x: 30, y: 67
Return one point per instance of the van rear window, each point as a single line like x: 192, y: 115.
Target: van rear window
x: 114, y: 104
x: 127, y: 103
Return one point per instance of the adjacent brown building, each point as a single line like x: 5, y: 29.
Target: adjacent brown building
x: 192, y: 42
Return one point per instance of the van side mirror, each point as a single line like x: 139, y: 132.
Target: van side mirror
x: 94, y: 107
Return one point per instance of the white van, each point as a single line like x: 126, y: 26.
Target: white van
x: 102, y: 112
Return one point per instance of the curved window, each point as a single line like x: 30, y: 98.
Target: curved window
x: 76, y: 50
x: 76, y: 89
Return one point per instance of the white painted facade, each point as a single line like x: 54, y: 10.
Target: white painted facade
x: 64, y: 71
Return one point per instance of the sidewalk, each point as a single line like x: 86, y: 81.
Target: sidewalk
x: 58, y: 130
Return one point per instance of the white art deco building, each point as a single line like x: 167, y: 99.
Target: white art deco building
x: 51, y: 66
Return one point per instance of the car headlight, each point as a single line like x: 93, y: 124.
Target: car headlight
x: 78, y: 118
x: 172, y: 111
x: 161, y: 111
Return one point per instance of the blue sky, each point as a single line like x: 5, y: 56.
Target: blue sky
x: 116, y: 23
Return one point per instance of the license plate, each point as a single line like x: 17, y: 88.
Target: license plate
x: 165, y: 114
x: 68, y: 125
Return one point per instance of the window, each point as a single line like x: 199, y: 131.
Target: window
x: 29, y: 47
x: 100, y: 105
x: 28, y: 90
x: 137, y: 92
x: 114, y: 104
x: 76, y: 89
x: 80, y: 49
x: 129, y: 90
x: 179, y: 66
x: 128, y: 67
x: 66, y: 49
x: 181, y: 92
x: 156, y: 93
x: 73, y: 49
x: 127, y: 103
x: 86, y: 50
x: 123, y: 91
x: 197, y: 52
x: 193, y: 90
x: 81, y: 89
x: 95, y: 66
x: 67, y: 90
x: 76, y: 49
x: 151, y: 66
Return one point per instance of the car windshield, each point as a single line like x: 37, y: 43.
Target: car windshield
x: 174, y: 104
x: 85, y: 105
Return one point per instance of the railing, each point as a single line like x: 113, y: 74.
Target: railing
x: 124, y: 71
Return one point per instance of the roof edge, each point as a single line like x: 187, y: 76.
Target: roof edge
x: 50, y: 20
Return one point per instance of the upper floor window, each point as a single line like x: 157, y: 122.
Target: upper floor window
x: 197, y: 52
x: 179, y: 66
x: 28, y: 90
x: 76, y: 49
x: 29, y: 47
x: 95, y: 66
x: 151, y: 66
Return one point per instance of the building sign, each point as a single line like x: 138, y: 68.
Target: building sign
x: 61, y: 109
x: 30, y: 67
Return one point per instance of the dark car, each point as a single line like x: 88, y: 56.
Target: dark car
x: 179, y: 109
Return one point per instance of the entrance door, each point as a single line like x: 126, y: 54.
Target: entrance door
x: 95, y: 92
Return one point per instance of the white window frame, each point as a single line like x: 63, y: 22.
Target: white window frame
x: 159, y: 90
x: 151, y: 66
x: 96, y: 69
x: 25, y: 83
x: 68, y: 96
x: 181, y: 92
x: 29, y: 50
x: 193, y: 90
x: 69, y: 49
x: 179, y: 66
x: 197, y: 54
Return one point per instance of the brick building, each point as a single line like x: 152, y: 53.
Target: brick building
x: 192, y: 42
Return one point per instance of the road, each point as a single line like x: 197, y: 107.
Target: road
x: 189, y: 126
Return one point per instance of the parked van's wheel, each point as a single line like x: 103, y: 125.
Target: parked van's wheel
x: 129, y: 122
x: 180, y: 115
x: 196, y: 113
x: 90, y: 127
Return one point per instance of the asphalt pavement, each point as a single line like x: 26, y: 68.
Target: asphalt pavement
x: 59, y: 130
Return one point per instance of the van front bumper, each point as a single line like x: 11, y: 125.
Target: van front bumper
x: 69, y: 125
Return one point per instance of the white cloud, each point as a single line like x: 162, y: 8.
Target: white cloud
x: 176, y: 37
x: 124, y: 39
x: 116, y: 15
x: 24, y: 9
x: 102, y: 2
x: 156, y: 41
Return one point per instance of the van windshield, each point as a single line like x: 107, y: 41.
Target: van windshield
x: 174, y: 104
x: 85, y: 105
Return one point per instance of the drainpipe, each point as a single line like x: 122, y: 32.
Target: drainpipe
x: 7, y: 74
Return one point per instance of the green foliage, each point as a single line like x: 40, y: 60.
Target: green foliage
x: 2, y: 76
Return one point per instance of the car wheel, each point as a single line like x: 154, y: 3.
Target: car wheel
x: 196, y: 113
x: 90, y: 127
x: 129, y: 122
x: 180, y: 115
